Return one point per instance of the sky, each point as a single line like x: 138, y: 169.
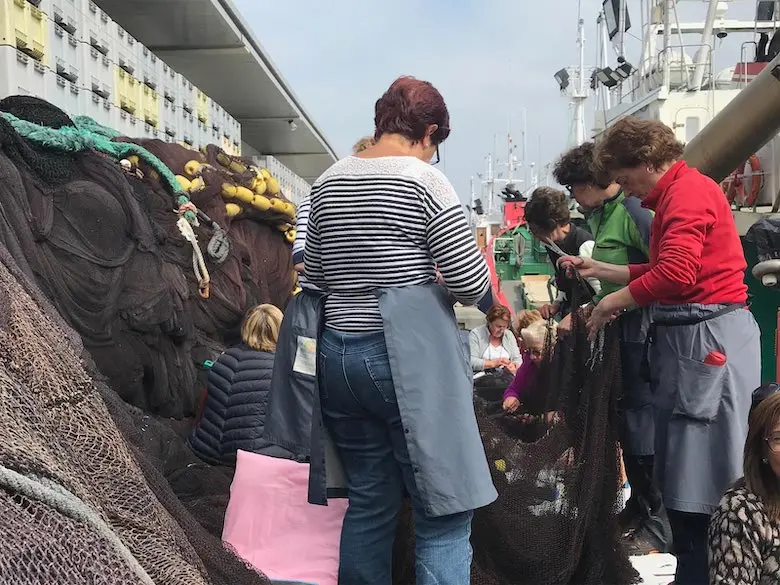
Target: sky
x: 492, y: 60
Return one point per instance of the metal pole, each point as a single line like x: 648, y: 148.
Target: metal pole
x: 579, y: 97
x: 605, y: 60
x: 668, y: 7
x: 707, y: 41
x: 622, y: 26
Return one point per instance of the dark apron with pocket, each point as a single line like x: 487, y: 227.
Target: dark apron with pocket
x: 636, y: 403
x: 701, y: 410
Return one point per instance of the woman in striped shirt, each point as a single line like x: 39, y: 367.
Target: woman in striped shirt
x: 387, y: 218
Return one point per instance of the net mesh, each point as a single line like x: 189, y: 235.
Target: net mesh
x: 556, y: 468
x: 79, y: 502
x: 103, y: 245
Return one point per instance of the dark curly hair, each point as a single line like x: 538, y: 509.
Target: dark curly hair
x: 576, y: 167
x: 547, y: 209
x: 632, y: 142
x: 408, y: 107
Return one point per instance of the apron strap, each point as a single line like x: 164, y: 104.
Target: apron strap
x: 645, y: 367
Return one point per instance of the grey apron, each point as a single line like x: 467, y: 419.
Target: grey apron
x: 636, y: 403
x: 701, y: 410
x: 433, y: 384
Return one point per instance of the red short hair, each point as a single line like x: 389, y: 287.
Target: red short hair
x: 497, y: 312
x: 408, y: 107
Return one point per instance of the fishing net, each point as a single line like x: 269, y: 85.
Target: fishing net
x: 79, y: 500
x: 556, y: 467
x: 102, y: 239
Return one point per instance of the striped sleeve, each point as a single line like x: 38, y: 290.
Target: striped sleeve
x: 312, y: 263
x: 451, y: 242
x: 301, y: 223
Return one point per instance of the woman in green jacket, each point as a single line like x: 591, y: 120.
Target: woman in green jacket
x: 621, y: 230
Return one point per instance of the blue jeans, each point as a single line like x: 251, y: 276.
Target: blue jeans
x: 360, y: 411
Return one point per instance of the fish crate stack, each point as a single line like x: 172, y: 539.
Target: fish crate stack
x: 225, y: 130
x: 98, y: 60
x: 188, y: 123
x: 24, y: 50
x: 72, y: 54
x: 295, y: 188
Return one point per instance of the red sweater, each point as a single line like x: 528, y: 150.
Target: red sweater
x: 695, y: 251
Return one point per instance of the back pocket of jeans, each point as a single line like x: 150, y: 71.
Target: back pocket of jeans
x: 699, y: 389
x: 379, y: 371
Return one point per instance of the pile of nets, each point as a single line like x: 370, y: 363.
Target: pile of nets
x: 556, y: 467
x: 80, y: 502
x: 98, y: 223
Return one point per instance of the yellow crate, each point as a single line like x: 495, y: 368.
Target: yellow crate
x: 150, y: 106
x: 23, y: 26
x: 202, y: 106
x: 127, y: 92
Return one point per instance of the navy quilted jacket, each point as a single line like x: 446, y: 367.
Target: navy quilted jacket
x: 234, y: 413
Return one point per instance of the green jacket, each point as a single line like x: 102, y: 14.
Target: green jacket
x: 621, y: 229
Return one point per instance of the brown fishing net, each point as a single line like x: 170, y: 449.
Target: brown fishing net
x: 556, y: 469
x: 78, y: 502
x: 102, y: 244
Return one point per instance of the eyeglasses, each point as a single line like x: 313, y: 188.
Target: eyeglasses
x: 774, y: 443
x: 436, y: 157
x: 439, y: 135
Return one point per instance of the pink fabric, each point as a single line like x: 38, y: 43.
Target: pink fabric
x: 271, y: 525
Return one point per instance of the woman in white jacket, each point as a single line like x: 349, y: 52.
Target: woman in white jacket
x: 493, y: 345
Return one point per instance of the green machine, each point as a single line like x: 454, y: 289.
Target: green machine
x: 517, y: 253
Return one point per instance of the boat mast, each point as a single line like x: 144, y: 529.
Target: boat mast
x: 580, y: 94
x: 668, y: 8
x: 707, y: 40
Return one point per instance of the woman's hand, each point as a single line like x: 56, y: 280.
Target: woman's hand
x: 587, y: 267
x: 498, y: 363
x: 511, y: 368
x: 549, y: 310
x: 511, y: 404
x: 608, y: 309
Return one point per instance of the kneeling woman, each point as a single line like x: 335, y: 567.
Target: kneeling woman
x: 237, y: 396
x: 704, y: 359
x: 520, y: 390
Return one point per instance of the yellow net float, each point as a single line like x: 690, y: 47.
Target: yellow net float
x: 259, y: 185
x: 290, y: 236
x: 273, y: 186
x: 184, y: 182
x: 261, y: 203
x: 228, y: 191
x: 244, y: 195
x: 192, y: 168
x: 197, y: 184
x: 232, y: 210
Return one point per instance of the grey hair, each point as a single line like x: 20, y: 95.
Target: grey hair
x: 536, y: 332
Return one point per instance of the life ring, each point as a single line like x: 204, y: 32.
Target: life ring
x: 734, y: 185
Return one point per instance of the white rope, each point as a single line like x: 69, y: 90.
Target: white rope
x: 198, y: 263
x: 57, y: 497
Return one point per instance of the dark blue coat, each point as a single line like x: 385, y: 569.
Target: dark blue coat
x: 236, y: 403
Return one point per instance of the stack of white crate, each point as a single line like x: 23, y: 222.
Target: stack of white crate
x: 293, y: 187
x: 98, y: 63
x: 72, y: 54
x: 171, y: 104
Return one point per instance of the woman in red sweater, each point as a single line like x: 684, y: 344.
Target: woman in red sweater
x: 703, y: 350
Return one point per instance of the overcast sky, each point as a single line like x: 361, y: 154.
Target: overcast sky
x: 490, y: 59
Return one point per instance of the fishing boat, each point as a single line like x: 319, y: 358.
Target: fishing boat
x: 715, y: 80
